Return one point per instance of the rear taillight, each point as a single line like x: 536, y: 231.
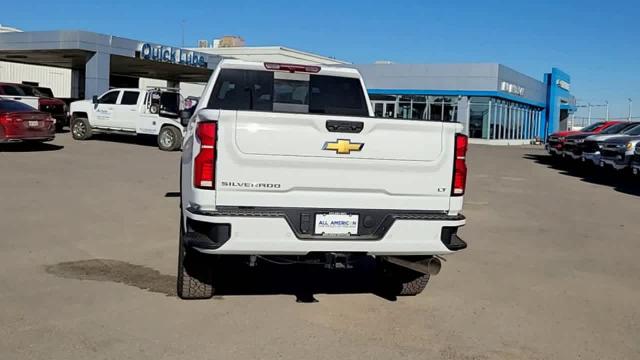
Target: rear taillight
x: 6, y: 119
x: 204, y: 166
x: 460, y: 165
x: 292, y: 67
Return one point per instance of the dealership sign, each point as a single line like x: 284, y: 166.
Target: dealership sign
x: 563, y: 85
x: 171, y: 55
x: 512, y: 88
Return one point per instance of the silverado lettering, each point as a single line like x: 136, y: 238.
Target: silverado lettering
x: 251, y: 185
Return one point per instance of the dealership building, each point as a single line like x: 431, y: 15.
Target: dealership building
x: 495, y: 104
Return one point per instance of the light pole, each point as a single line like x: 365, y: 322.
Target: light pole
x: 606, y: 103
x: 589, y: 120
x: 182, y: 28
x: 630, y: 107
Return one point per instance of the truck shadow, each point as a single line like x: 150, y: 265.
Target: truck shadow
x: 140, y: 140
x: 238, y: 279
x: 300, y: 280
x: 620, y: 181
x: 29, y: 147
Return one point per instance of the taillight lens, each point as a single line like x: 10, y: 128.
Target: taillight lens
x: 204, y: 167
x: 460, y: 165
x: 8, y: 118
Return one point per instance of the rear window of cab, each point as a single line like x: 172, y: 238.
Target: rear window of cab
x: 283, y: 92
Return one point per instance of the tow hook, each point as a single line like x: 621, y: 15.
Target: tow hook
x: 431, y: 265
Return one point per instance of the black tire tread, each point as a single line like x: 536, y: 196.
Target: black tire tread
x: 415, y: 286
x: 195, y: 273
x: 400, y: 281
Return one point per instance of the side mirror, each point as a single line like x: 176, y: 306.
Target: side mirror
x: 94, y: 99
x: 185, y: 116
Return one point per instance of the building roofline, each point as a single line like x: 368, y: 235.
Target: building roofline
x: 274, y: 49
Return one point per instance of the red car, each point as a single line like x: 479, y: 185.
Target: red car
x: 20, y: 122
x: 556, y: 141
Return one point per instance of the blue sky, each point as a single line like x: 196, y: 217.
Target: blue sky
x: 596, y: 42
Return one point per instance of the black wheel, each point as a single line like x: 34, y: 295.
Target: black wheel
x: 80, y: 129
x: 169, y: 138
x: 401, y: 281
x: 195, y: 273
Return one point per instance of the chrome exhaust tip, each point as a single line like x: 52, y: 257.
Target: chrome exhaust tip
x: 434, y: 266
x: 431, y: 266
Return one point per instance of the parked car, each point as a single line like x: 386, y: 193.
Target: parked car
x: 635, y: 160
x: 572, y: 149
x: 618, y: 151
x: 20, y: 122
x: 154, y: 111
x: 589, y: 147
x: 47, y: 103
x: 556, y: 141
x: 286, y: 163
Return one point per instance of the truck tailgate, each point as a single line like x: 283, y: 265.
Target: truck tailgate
x: 293, y: 160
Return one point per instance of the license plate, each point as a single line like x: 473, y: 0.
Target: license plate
x: 336, y: 224
x: 33, y: 123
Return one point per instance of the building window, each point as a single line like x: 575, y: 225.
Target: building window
x: 479, y: 117
x: 416, y: 107
x: 497, y: 119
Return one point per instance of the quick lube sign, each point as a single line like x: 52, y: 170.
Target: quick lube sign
x: 171, y: 55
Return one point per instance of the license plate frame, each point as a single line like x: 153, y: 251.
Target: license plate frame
x: 336, y: 224
x: 33, y: 123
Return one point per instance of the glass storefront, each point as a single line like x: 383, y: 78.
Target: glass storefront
x: 487, y: 117
x: 416, y: 107
x: 497, y: 119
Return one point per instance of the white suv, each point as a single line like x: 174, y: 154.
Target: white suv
x: 287, y: 161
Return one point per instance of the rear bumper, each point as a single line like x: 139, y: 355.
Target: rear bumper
x: 274, y: 235
x: 18, y: 132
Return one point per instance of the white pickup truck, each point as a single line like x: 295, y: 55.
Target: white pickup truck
x: 14, y: 92
x: 153, y: 111
x: 286, y: 163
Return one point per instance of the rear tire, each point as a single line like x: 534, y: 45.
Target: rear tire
x: 195, y: 272
x: 81, y: 129
x: 400, y: 281
x: 169, y: 138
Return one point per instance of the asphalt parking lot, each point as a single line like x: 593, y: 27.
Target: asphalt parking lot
x: 88, y: 251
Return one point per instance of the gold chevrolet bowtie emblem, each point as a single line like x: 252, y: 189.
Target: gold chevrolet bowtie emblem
x: 342, y: 146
